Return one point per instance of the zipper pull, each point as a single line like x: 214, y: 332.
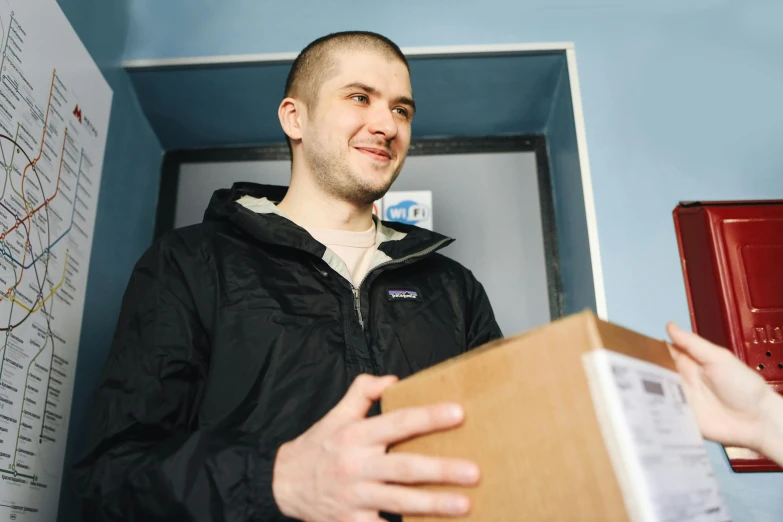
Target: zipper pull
x: 357, y: 306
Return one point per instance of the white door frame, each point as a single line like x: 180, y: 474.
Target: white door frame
x: 443, y: 52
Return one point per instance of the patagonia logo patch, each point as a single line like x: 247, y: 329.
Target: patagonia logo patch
x: 403, y: 295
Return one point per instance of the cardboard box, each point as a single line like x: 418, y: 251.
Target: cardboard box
x: 577, y: 420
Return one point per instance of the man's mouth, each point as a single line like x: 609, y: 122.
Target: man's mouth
x: 375, y: 153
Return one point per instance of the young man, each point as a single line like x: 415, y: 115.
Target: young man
x: 250, y: 348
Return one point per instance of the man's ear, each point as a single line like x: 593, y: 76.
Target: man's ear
x: 292, y: 114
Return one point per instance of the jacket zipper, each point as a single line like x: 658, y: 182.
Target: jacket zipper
x: 357, y: 305
x: 357, y: 292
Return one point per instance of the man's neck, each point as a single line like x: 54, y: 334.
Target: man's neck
x: 309, y: 207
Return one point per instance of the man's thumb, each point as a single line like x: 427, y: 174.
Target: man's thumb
x: 364, y: 390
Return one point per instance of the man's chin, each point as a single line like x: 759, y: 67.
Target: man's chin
x: 376, y: 184
x: 370, y: 196
x: 372, y: 184
x: 367, y: 195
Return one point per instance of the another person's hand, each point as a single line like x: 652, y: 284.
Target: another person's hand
x: 340, y: 468
x: 733, y: 404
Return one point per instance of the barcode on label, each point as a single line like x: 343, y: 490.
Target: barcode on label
x: 653, y: 387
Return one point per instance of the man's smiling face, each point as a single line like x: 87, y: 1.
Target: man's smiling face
x: 357, y: 134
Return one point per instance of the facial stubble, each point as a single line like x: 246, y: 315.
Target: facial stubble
x: 333, y: 174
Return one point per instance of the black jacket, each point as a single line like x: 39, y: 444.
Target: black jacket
x: 236, y: 336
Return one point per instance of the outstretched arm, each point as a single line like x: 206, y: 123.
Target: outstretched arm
x: 732, y: 403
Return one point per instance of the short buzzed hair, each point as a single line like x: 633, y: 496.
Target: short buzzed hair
x: 316, y: 61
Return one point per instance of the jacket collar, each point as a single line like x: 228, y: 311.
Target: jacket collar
x: 396, y: 240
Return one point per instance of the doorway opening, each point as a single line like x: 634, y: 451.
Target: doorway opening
x: 481, y: 95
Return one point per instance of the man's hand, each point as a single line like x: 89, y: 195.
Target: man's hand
x: 339, y: 470
x: 733, y: 404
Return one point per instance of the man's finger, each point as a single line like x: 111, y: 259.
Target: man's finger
x: 364, y: 390
x: 403, y: 424
x: 367, y: 516
x: 404, y: 500
x: 403, y: 468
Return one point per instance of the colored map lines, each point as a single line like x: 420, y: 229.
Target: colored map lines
x: 38, y: 209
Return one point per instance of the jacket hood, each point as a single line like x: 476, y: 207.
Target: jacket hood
x: 398, y: 240
x: 223, y: 201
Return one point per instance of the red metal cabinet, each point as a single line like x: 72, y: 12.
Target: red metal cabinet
x: 732, y: 262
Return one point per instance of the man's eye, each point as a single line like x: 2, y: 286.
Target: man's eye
x: 361, y: 98
x: 402, y: 111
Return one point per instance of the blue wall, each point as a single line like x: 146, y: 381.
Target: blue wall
x: 185, y: 117
x: 681, y: 100
x: 573, y: 246
x: 126, y: 210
